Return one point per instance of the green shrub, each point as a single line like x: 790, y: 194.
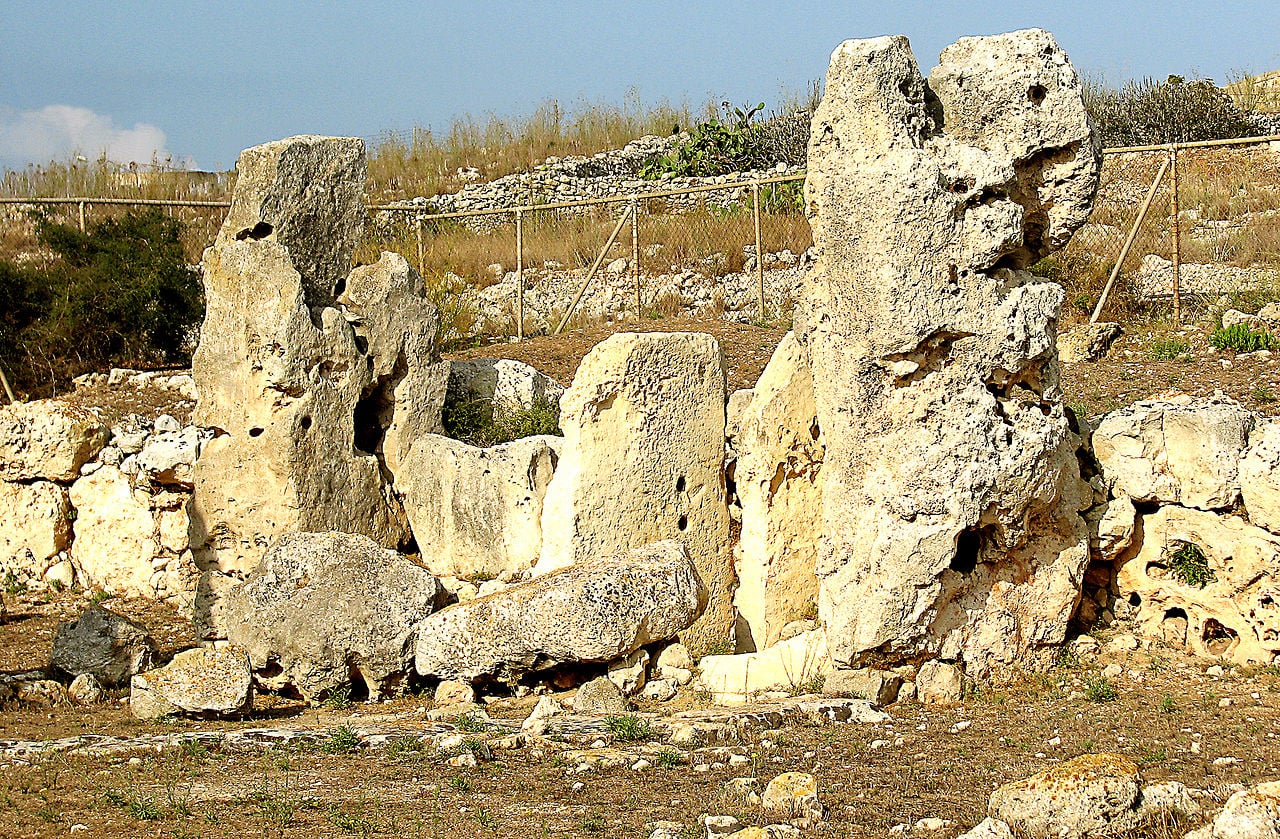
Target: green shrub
x: 481, y: 422
x: 1167, y: 348
x: 1241, y: 338
x: 120, y: 295
x: 1189, y: 565
x: 735, y: 143
x: 1099, y: 689
x: 1173, y: 111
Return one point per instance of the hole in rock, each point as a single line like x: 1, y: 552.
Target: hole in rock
x: 968, y: 550
x: 359, y: 687
x: 368, y: 421
x: 305, y: 422
x: 815, y: 430
x: 1218, y: 638
x: 255, y: 432
x: 904, y: 87
x: 680, y: 484
x: 683, y: 523
x: 261, y: 230
x: 1036, y: 93
x: 340, y: 286
x: 362, y: 344
x: 1135, y: 600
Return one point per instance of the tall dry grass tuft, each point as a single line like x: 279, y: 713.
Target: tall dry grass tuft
x: 426, y: 163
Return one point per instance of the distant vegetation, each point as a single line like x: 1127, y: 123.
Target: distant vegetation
x: 121, y: 294
x: 1177, y: 110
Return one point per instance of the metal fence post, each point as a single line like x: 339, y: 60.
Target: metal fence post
x: 635, y: 249
x: 82, y: 217
x: 422, y: 265
x: 1177, y: 235
x: 1128, y: 242
x: 755, y: 204
x: 519, y: 275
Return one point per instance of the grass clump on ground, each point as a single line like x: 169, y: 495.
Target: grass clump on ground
x: 1241, y: 338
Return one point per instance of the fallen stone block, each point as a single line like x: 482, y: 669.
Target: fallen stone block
x: 799, y: 664
x: 48, y: 440
x: 1094, y: 795
x: 324, y: 609
x: 593, y: 612
x: 201, y: 682
x: 109, y: 646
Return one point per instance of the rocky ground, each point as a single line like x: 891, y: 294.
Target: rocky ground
x: 391, y: 770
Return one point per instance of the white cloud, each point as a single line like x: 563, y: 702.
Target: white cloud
x: 55, y: 132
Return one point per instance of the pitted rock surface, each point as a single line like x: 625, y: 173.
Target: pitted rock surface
x: 951, y: 486
x: 594, y: 611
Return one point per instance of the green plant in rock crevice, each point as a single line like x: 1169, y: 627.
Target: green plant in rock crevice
x: 1189, y: 565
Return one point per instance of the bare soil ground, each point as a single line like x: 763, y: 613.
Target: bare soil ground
x: 1165, y: 712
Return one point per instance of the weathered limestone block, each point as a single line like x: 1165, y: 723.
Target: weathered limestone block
x: 312, y: 405
x: 1177, y: 451
x: 643, y: 461
x: 323, y: 609
x: 1252, y: 813
x: 47, y: 439
x: 502, y: 381
x: 596, y: 611
x: 779, y: 465
x: 1116, y: 527
x: 169, y: 458
x: 950, y: 485
x: 1094, y: 795
x: 115, y: 534
x: 1089, y: 342
x: 477, y: 511
x: 202, y: 682
x: 110, y: 647
x: 36, y: 519
x: 386, y: 306
x: 1260, y: 476
x: 1235, y: 614
x: 799, y: 663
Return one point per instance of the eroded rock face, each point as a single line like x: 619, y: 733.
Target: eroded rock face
x: 643, y: 461
x: 477, y: 511
x: 47, y: 439
x: 596, y: 611
x: 36, y: 523
x: 1206, y: 583
x: 950, y: 481
x: 312, y: 404
x: 115, y: 534
x: 1260, y: 476
x: 1176, y: 451
x: 323, y: 608
x: 778, y: 473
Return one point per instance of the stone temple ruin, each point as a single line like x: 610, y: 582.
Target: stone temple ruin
x: 916, y: 504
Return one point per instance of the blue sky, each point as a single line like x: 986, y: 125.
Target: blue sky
x: 200, y: 81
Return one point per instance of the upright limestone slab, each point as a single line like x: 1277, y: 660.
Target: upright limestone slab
x: 950, y: 482
x: 780, y: 452
x: 643, y: 461
x: 304, y: 396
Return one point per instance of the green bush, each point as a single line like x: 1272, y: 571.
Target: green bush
x: 736, y: 143
x: 1147, y: 112
x: 1189, y: 565
x: 481, y: 422
x: 1241, y: 338
x: 120, y: 295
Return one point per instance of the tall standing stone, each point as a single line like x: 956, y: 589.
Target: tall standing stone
x: 302, y: 394
x: 950, y: 478
x: 643, y: 461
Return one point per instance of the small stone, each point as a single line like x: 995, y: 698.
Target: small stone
x: 599, y: 697
x: 720, y: 826
x: 930, y: 825
x: 453, y: 692
x: 85, y: 689
x: 466, y: 760
x: 660, y: 690
x: 939, y: 683
x: 628, y: 673
x: 43, y: 692
x: 641, y: 765
x: 960, y: 726
x: 746, y: 790
x: 794, y: 796
x: 538, y: 720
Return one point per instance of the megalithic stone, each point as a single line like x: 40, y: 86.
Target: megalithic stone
x: 950, y: 480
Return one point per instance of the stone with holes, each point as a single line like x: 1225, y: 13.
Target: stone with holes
x: 1206, y: 583
x: 314, y: 377
x: 99, y: 641
x: 1094, y: 795
x: 643, y: 461
x: 48, y: 439
x: 950, y: 483
x: 324, y: 609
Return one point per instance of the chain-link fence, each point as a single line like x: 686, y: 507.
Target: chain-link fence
x: 546, y: 267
